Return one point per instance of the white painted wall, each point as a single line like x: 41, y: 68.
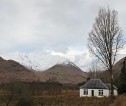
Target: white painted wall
x: 115, y: 92
x: 106, y: 92
x: 96, y: 92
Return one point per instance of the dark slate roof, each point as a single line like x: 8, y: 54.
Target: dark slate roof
x: 109, y: 86
x: 94, y: 84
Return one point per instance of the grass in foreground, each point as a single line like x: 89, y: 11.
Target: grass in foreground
x: 120, y: 101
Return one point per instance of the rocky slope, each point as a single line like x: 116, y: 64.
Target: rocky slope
x: 64, y: 73
x: 13, y: 71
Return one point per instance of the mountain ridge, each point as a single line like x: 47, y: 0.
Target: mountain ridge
x: 63, y: 74
x: 11, y: 70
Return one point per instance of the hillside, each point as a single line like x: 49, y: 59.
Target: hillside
x: 63, y: 73
x: 105, y: 75
x: 117, y: 67
x: 66, y: 72
x: 13, y: 71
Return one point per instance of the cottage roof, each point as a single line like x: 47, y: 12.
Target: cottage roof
x: 95, y: 84
x: 109, y: 86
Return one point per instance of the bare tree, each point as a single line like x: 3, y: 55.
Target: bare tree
x: 93, y: 69
x: 105, y: 39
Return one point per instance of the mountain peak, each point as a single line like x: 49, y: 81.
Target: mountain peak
x: 1, y: 59
x: 66, y: 72
x: 68, y: 63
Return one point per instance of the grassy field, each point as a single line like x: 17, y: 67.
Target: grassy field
x: 120, y: 101
x: 66, y: 98
x: 71, y: 98
x: 37, y: 95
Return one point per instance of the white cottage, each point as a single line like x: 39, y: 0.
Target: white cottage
x: 95, y: 87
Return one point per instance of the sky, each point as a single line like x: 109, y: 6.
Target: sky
x: 52, y: 28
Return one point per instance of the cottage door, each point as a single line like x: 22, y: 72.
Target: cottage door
x: 92, y: 92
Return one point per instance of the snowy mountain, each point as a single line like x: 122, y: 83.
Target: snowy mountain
x: 40, y: 63
x: 43, y: 60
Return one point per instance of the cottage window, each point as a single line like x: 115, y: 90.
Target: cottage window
x: 100, y: 92
x: 85, y: 91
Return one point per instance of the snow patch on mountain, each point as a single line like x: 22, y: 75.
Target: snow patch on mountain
x: 40, y: 60
x: 40, y: 63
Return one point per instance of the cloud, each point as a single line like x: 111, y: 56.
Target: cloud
x: 71, y: 54
x: 58, y: 26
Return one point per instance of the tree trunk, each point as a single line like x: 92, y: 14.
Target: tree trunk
x: 112, y: 87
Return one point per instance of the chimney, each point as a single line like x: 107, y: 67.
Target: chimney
x: 88, y: 78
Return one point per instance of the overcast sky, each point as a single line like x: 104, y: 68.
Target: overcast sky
x: 53, y: 27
